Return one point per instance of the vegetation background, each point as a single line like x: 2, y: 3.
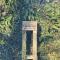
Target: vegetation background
x: 46, y: 12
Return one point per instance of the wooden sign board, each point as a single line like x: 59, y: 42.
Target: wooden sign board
x: 29, y: 25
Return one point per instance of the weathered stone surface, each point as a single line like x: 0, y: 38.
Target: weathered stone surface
x: 29, y: 26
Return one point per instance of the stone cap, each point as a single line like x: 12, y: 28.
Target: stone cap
x: 29, y: 25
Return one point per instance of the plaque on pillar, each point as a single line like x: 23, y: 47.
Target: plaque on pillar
x: 29, y: 40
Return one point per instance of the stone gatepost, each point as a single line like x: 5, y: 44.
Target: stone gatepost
x: 29, y: 26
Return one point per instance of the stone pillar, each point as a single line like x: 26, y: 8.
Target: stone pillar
x: 29, y: 26
x: 34, y: 45
x: 23, y: 45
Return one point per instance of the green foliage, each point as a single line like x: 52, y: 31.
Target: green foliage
x: 6, y: 16
x: 2, y: 42
x: 5, y: 25
x: 52, y: 10
x: 49, y: 47
x: 47, y: 15
x: 51, y: 50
